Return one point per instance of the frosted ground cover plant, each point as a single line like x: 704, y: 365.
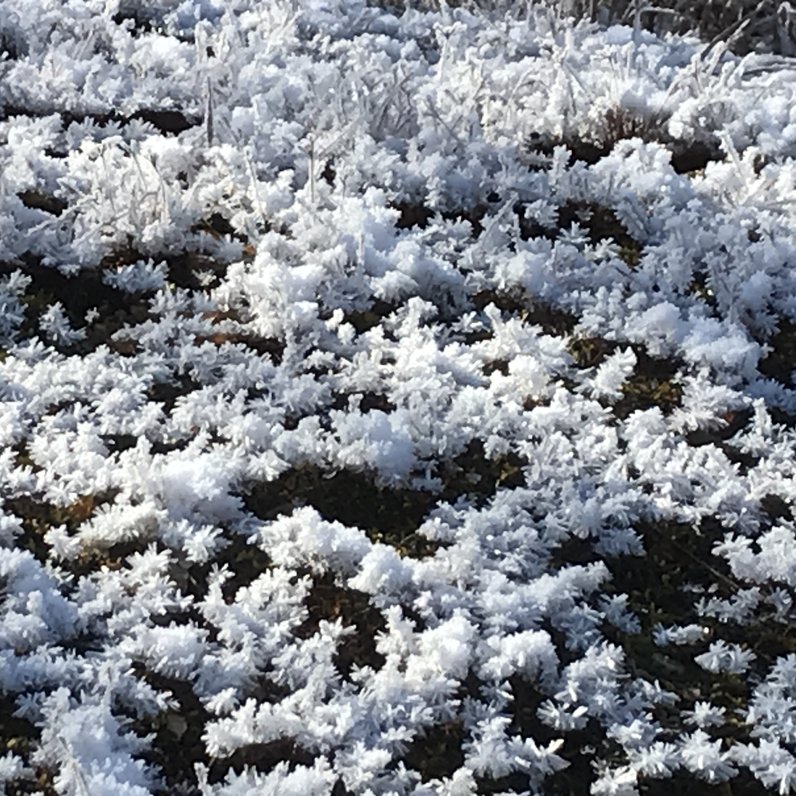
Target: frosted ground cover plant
x: 392, y: 405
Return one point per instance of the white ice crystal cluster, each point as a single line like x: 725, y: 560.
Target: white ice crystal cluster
x: 392, y: 402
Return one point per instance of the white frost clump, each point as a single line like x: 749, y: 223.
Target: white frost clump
x: 95, y: 754
x: 705, y: 714
x: 374, y: 440
x: 530, y: 653
x: 140, y: 277
x: 703, y: 756
x: 198, y: 485
x: 612, y: 374
x: 57, y: 328
x: 723, y: 657
x: 771, y: 763
x: 305, y: 539
x: 281, y: 781
x: 382, y: 571
x: 775, y: 561
x: 344, y: 391
x: 11, y: 768
x: 34, y: 612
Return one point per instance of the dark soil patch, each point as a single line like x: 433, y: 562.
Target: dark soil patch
x: 781, y: 417
x: 38, y: 516
x: 330, y: 601
x: 589, y: 352
x: 601, y: 223
x: 496, y: 366
x: 412, y: 215
x: 16, y: 734
x: 735, y: 422
x: 42, y: 201
x: 574, y: 551
x: 780, y: 362
x: 776, y: 508
x: 694, y: 156
x: 135, y: 19
x: 112, y: 558
x: 436, y: 752
x: 167, y: 393
x: 76, y: 294
x: 352, y: 498
x: 177, y: 745
x: 700, y: 288
x: 43, y: 784
x: 263, y: 757
x: 368, y: 402
x: 21, y: 737
x: 477, y: 477
x: 219, y: 227
x: 268, y: 347
x: 542, y: 145
x: 419, y: 215
x: 246, y: 562
x: 552, y: 320
x: 116, y: 310
x: 185, y: 269
x: 387, y: 514
x: 366, y: 319
x: 652, y: 384
x: 687, y: 156
x: 226, y: 328
x: 118, y: 443
x: 167, y: 122
x: 677, y: 554
x: 687, y: 785
x: 745, y: 461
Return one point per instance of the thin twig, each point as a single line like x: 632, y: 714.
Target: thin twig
x: 209, y: 113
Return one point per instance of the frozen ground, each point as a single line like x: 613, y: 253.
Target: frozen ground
x: 393, y: 405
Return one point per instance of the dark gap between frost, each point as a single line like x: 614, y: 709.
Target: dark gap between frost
x: 177, y: 745
x: 328, y: 600
x: 165, y: 121
x: 387, y: 514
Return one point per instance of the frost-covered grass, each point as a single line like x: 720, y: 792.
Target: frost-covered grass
x: 393, y: 404
x: 745, y: 25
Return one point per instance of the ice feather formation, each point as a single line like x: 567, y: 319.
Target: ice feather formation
x: 392, y: 403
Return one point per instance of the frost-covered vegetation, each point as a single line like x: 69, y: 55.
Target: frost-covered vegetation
x: 746, y: 25
x: 393, y: 403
